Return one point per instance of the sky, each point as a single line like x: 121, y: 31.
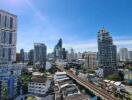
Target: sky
x: 75, y: 21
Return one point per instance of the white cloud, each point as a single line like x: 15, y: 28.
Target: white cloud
x: 92, y: 45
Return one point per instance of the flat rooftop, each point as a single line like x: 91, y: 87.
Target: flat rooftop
x: 77, y: 97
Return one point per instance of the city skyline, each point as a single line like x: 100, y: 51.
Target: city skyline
x: 74, y: 21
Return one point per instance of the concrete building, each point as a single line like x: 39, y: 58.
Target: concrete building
x: 22, y: 55
x: 58, y: 50
x: 26, y: 59
x: 40, y: 52
x: 79, y: 55
x: 128, y: 76
x: 8, y: 31
x: 31, y: 56
x: 123, y: 54
x: 60, y: 76
x: 9, y: 78
x: 38, y: 86
x: 91, y: 60
x: 71, y: 56
x: 130, y: 55
x: 107, y: 51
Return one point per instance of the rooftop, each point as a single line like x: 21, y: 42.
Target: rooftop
x: 38, y: 79
x: 77, y: 97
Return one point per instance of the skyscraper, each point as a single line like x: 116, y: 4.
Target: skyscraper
x: 40, y: 51
x: 107, y: 52
x: 31, y: 56
x: 130, y: 55
x: 22, y: 55
x: 8, y: 31
x: 123, y: 54
x: 58, y: 51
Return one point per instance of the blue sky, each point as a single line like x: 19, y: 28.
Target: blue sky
x: 75, y: 21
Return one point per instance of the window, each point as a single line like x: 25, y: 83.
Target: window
x: 0, y: 19
x: 11, y: 22
x: 5, y: 20
x: 9, y: 53
x: 10, y: 38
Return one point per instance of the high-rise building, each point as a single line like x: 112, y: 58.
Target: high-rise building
x: 8, y: 31
x: 130, y: 55
x: 91, y: 60
x: 31, y: 56
x: 71, y: 56
x: 107, y: 52
x: 123, y: 54
x: 79, y: 55
x: 58, y: 50
x: 63, y: 53
x: 40, y: 51
x: 22, y: 55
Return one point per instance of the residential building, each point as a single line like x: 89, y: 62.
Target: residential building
x: 38, y: 86
x: 128, y: 76
x: 9, y: 77
x: 22, y: 55
x: 18, y: 57
x: 71, y: 56
x: 123, y: 54
x: 26, y: 57
x: 107, y: 51
x: 31, y: 56
x: 79, y: 55
x: 91, y: 60
x: 40, y: 52
x: 8, y: 32
x: 105, y: 71
x: 60, y: 76
x: 130, y: 55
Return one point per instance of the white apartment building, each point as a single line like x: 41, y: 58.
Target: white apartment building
x: 8, y: 31
x: 123, y: 54
x: 130, y: 55
x: 38, y: 86
x: 60, y: 76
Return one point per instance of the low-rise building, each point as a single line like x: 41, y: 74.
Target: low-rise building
x: 60, y: 76
x: 105, y: 71
x: 128, y: 76
x: 38, y: 86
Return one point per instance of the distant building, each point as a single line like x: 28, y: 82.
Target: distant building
x: 64, y: 53
x: 40, y: 52
x: 8, y: 31
x: 107, y: 52
x: 91, y: 60
x: 123, y: 54
x: 128, y: 76
x: 79, y: 55
x: 130, y: 55
x: 58, y: 50
x: 31, y: 56
x: 22, y: 55
x: 26, y: 57
x: 71, y: 56
x: 18, y: 57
